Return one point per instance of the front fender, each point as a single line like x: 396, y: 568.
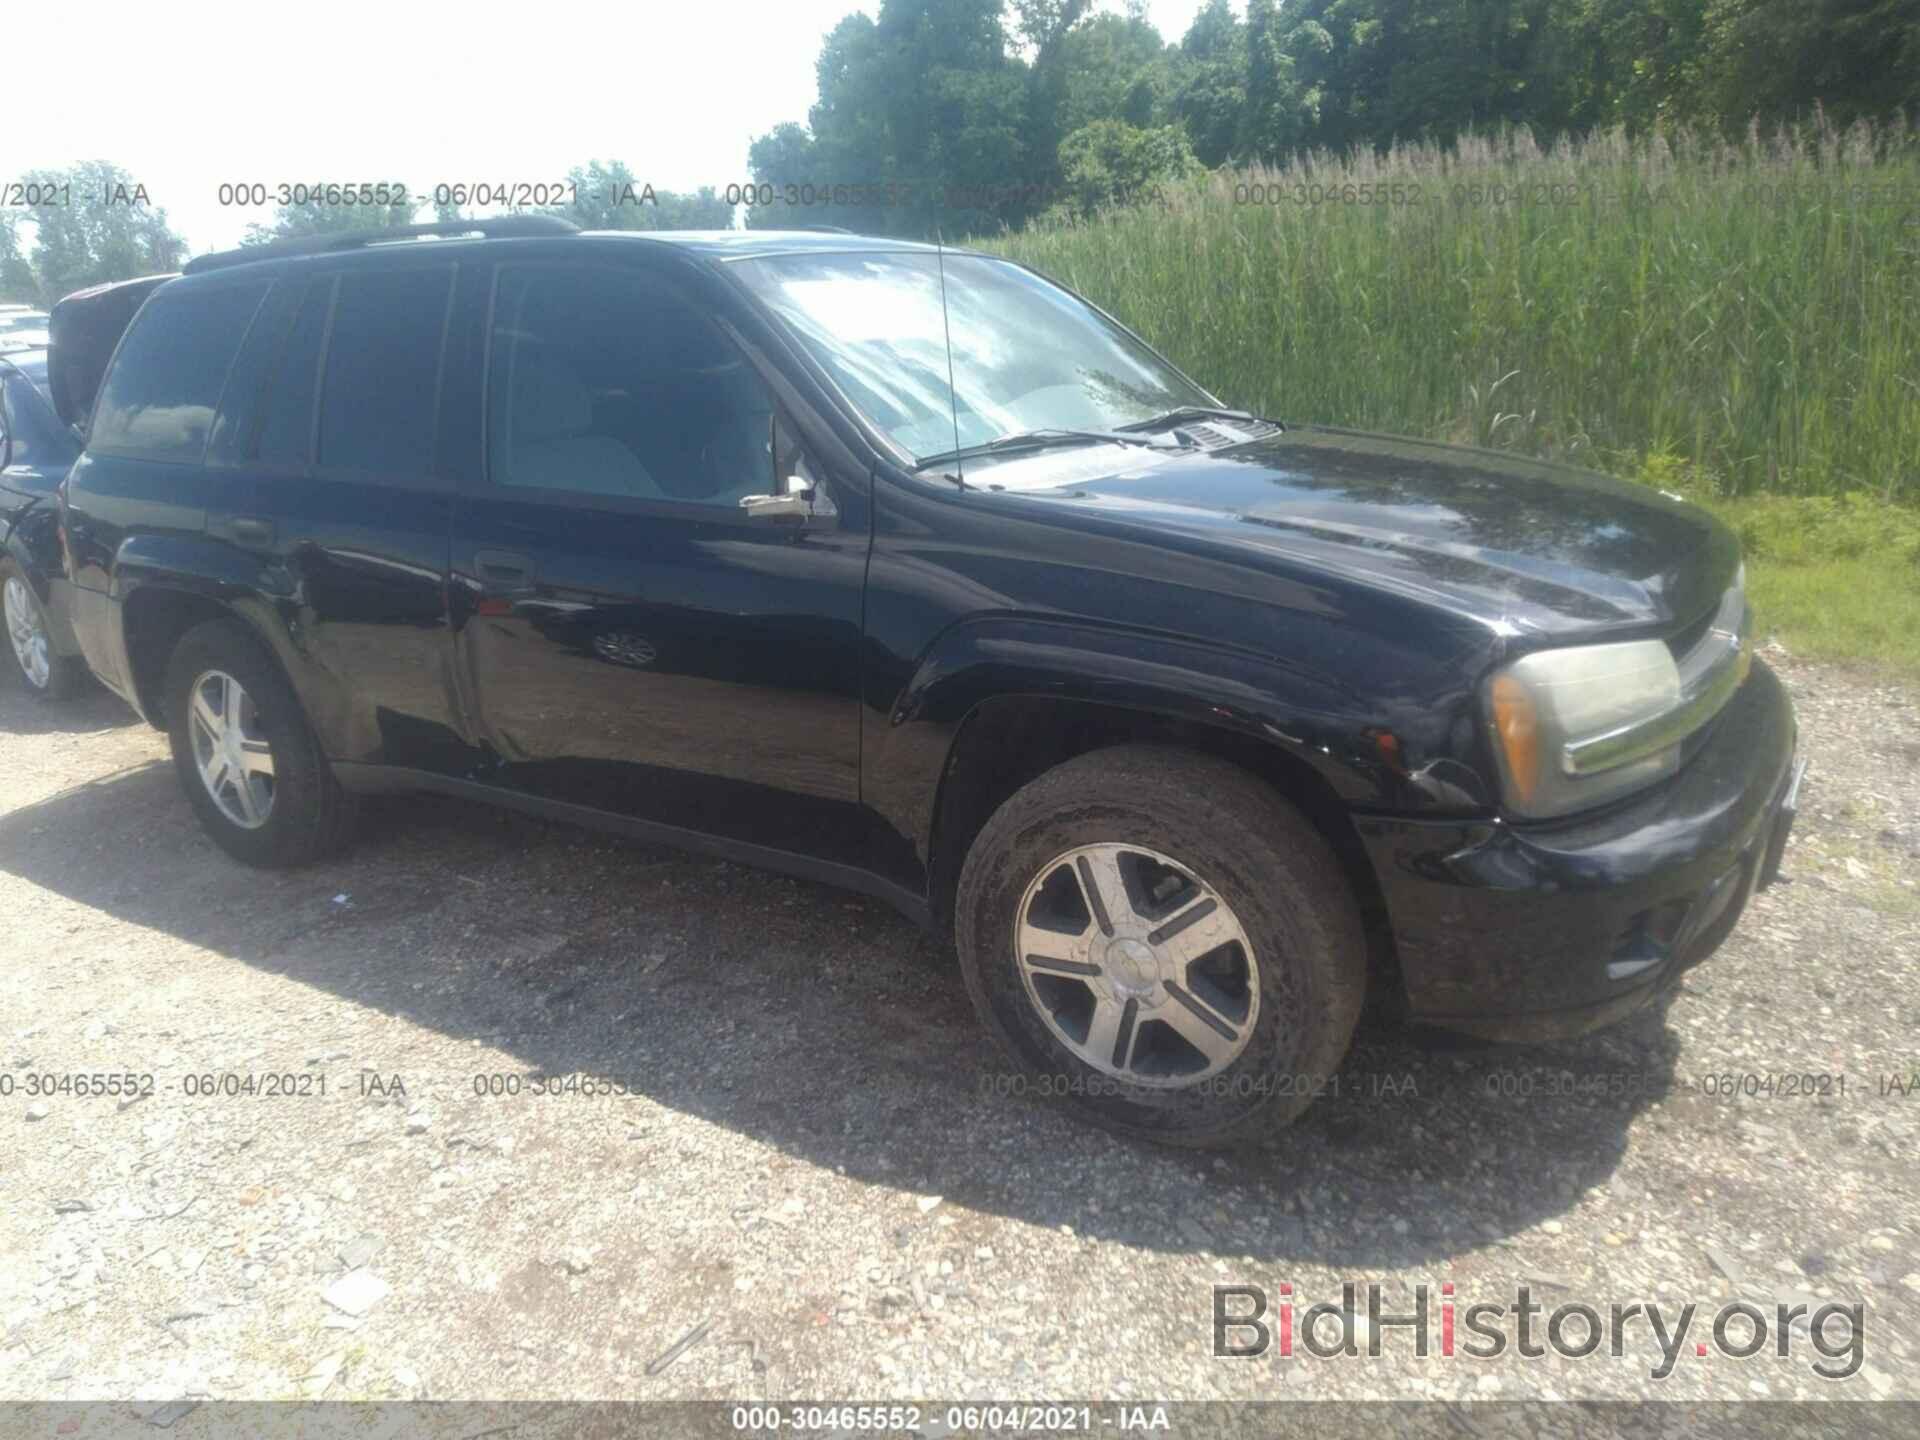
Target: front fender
x: 1381, y: 751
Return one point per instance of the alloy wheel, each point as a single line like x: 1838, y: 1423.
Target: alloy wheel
x: 234, y: 759
x: 1137, y: 965
x: 28, y: 634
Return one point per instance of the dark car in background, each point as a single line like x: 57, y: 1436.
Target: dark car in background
x: 905, y: 569
x: 20, y: 320
x: 36, y: 450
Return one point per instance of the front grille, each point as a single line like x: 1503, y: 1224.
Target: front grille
x: 1700, y: 641
x: 1691, y: 635
x: 1706, y: 648
x: 1706, y: 651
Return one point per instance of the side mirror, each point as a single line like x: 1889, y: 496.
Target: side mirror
x: 794, y: 492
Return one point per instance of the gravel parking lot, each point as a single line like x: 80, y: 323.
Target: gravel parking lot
x: 808, y: 1173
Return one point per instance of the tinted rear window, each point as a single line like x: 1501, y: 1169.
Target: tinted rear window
x: 286, y: 433
x: 377, y: 401
x: 160, y: 398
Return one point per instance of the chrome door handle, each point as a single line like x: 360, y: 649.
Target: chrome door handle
x: 502, y: 570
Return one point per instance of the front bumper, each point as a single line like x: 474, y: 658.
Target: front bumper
x: 1545, y: 931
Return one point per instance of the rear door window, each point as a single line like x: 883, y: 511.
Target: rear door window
x: 286, y: 425
x: 164, y: 389
x: 379, y: 395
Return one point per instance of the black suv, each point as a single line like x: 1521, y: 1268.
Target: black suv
x: 907, y: 570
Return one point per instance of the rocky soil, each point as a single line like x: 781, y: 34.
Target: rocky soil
x: 779, y: 1171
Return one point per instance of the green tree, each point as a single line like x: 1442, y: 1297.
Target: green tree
x: 1372, y: 71
x: 1211, y: 88
x: 939, y: 94
x: 1600, y: 62
x: 702, y: 209
x: 299, y: 221
x: 1116, y: 67
x: 108, y: 230
x: 18, y: 283
x: 608, y: 196
x: 924, y: 99
x: 1044, y: 25
x: 1110, y: 162
x: 1778, y: 58
x: 787, y: 151
x: 1273, y: 121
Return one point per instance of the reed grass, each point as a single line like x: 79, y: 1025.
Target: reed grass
x: 1752, y: 309
x: 1737, y: 321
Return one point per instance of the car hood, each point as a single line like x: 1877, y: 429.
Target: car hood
x: 1527, y: 547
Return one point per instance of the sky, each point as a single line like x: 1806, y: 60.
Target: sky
x: 421, y: 95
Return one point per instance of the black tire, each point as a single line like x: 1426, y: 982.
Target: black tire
x: 1264, y: 861
x: 66, y: 675
x: 310, y: 815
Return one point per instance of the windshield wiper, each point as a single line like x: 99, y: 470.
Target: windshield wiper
x: 1189, y: 412
x: 1044, y: 439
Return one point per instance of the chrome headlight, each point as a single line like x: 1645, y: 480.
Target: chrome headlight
x: 1579, y: 727
x: 1554, y: 713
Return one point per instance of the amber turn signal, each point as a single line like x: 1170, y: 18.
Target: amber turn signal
x: 1518, y: 727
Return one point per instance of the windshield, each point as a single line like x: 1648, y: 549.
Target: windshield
x: 1026, y: 354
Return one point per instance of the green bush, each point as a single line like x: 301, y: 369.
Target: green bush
x: 1810, y: 529
x: 1110, y: 162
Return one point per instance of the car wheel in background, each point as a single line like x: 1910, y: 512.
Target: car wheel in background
x: 1162, y: 943
x: 245, y: 754
x: 46, y: 675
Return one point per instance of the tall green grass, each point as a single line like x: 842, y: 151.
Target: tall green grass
x: 1747, y: 314
x: 1737, y: 322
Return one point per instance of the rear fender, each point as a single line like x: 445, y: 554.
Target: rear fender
x: 153, y: 568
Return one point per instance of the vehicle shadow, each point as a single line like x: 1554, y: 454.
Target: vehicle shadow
x: 94, y: 710
x: 825, y: 1025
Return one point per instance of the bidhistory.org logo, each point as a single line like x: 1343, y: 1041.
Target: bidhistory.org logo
x: 1246, y: 1326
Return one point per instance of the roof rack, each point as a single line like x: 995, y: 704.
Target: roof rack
x: 504, y: 227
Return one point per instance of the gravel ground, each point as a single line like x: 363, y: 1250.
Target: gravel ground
x: 809, y: 1174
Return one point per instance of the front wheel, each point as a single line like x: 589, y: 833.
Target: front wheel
x: 1162, y: 943
x: 249, y: 762
x: 47, y: 676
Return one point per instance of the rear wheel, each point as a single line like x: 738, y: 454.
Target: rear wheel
x: 1162, y: 943
x: 247, y: 758
x: 46, y: 675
